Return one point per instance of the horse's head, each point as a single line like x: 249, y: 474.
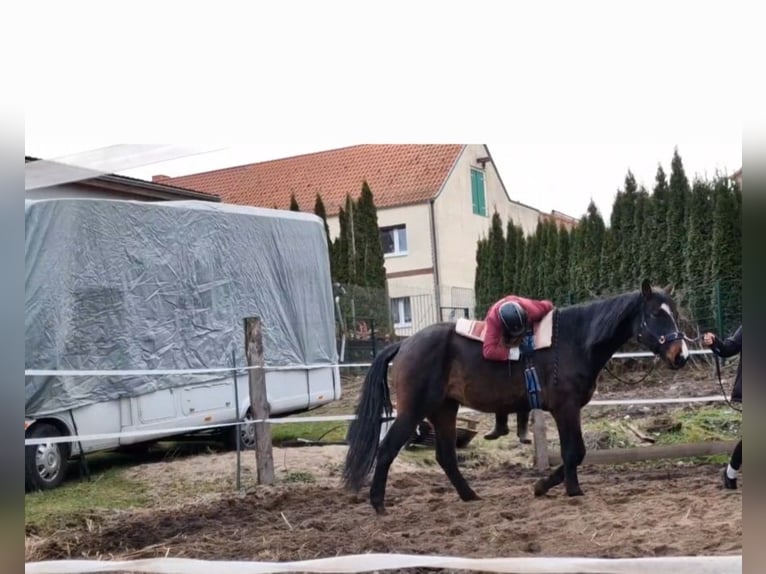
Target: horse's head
x: 657, y: 326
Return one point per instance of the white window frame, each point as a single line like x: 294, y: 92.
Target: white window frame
x: 399, y: 302
x: 395, y: 229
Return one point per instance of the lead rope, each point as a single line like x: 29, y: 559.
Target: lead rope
x: 641, y: 380
x: 720, y: 382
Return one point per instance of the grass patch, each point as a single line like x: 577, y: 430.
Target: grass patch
x: 701, y: 424
x: 106, y: 491
x: 709, y: 423
x: 324, y: 431
x: 604, y: 434
x: 300, y: 476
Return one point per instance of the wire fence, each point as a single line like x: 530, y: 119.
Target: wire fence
x: 367, y: 319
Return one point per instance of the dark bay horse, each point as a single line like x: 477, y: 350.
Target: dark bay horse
x: 437, y: 370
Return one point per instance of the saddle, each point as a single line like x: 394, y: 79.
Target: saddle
x: 475, y: 329
x: 540, y: 338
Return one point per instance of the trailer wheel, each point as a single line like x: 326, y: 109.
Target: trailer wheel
x: 246, y: 434
x: 45, y: 464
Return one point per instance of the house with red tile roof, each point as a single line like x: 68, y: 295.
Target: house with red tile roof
x: 434, y: 202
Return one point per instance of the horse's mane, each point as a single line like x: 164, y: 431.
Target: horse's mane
x: 601, y: 319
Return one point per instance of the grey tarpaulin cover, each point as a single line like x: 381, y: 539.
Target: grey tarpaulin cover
x: 126, y: 285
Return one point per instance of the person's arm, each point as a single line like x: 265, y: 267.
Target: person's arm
x: 730, y: 346
x: 493, y: 348
x: 536, y: 310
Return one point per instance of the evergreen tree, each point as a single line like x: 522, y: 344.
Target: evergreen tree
x: 726, y: 257
x: 614, y: 242
x: 510, y: 272
x: 341, y: 249
x: 294, y: 203
x: 659, y: 231
x: 561, y: 288
x: 368, y: 264
x: 698, y: 254
x: 628, y: 241
x: 532, y: 264
x: 549, y: 263
x: 678, y: 198
x: 593, y: 245
x: 319, y: 211
x: 642, y: 230
x: 369, y: 260
x: 612, y: 260
x: 578, y: 284
x: 520, y: 282
x: 481, y: 279
x: 496, y: 248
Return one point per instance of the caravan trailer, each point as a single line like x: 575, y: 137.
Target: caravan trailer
x: 131, y: 285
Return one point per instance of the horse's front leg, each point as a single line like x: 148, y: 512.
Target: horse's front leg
x: 572, y: 446
x: 568, y: 423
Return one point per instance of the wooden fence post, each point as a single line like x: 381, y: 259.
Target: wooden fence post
x: 540, y: 439
x: 258, y: 400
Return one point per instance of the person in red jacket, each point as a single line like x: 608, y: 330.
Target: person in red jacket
x: 507, y: 321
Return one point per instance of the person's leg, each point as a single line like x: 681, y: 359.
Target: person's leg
x: 501, y: 427
x: 735, y: 463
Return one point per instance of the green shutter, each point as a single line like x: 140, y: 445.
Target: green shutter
x: 478, y: 199
x: 482, y: 195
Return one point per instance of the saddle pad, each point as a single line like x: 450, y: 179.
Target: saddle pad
x: 475, y: 329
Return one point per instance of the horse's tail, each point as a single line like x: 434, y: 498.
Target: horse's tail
x: 364, y: 431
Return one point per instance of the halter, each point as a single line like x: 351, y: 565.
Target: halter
x: 661, y: 340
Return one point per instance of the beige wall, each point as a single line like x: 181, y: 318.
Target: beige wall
x: 419, y: 287
x: 457, y: 231
x: 416, y: 219
x: 420, y: 290
x: 458, y: 228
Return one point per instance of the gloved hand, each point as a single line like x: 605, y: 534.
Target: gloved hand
x: 527, y: 346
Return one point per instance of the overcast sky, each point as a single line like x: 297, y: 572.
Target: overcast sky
x: 568, y: 97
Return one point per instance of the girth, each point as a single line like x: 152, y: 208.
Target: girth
x: 527, y: 349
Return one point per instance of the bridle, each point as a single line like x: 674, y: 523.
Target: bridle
x: 653, y: 341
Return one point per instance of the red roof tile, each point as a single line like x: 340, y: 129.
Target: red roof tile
x: 396, y: 174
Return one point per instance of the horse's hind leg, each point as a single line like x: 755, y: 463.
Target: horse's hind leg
x: 396, y: 437
x: 444, y: 421
x: 522, y: 426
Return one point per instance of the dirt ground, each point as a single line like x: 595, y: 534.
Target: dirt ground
x: 663, y: 509
x: 651, y: 509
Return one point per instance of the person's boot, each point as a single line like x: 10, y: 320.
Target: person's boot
x: 728, y: 483
x: 501, y: 429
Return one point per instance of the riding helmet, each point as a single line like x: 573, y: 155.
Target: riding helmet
x: 514, y: 318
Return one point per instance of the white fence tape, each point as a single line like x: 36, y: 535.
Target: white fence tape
x: 240, y: 370
x: 327, y: 418
x: 378, y: 562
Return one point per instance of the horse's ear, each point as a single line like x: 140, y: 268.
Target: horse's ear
x: 670, y: 288
x: 646, y: 289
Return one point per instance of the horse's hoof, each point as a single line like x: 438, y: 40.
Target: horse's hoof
x: 380, y: 510
x: 470, y: 497
x: 525, y: 440
x: 496, y: 433
x: 575, y: 491
x: 540, y: 488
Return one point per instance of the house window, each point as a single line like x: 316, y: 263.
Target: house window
x: 401, y: 311
x: 478, y: 194
x: 394, y: 240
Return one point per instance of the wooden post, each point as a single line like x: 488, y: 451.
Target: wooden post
x: 540, y: 440
x: 641, y: 453
x: 258, y: 401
